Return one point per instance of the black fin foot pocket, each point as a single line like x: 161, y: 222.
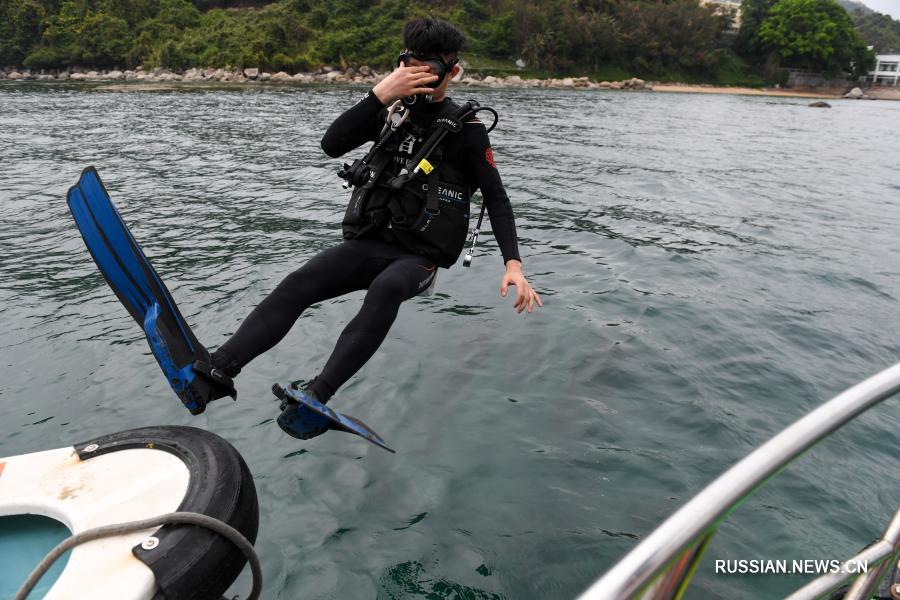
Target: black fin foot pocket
x: 209, y: 384
x: 225, y: 362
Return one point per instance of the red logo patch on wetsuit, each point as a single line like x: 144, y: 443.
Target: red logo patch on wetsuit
x: 489, y: 157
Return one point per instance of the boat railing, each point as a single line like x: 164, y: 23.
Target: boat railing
x: 661, y: 566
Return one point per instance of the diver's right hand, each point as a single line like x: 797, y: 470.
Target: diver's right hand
x: 404, y: 81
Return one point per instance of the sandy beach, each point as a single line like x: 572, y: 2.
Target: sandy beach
x: 877, y: 93
x: 681, y: 88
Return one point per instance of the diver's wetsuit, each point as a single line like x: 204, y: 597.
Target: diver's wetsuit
x: 376, y: 262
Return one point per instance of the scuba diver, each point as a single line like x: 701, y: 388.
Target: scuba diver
x: 392, y: 245
x: 408, y: 215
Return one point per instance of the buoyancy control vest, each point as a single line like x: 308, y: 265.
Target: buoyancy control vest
x: 412, y: 190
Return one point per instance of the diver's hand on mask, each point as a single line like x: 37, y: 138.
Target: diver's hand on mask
x: 405, y: 81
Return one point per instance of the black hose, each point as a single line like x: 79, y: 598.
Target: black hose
x: 493, y: 112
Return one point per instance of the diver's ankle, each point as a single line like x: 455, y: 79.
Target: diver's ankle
x: 319, y: 388
x: 225, y: 362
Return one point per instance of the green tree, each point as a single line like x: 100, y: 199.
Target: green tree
x: 561, y: 35
x: 20, y: 22
x: 160, y: 39
x: 679, y: 36
x: 82, y: 33
x: 816, y: 35
x: 753, y: 13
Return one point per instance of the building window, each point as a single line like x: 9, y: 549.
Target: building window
x: 890, y: 67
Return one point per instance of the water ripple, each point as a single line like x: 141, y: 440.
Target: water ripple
x: 712, y: 266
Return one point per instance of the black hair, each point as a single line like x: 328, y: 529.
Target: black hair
x: 432, y: 36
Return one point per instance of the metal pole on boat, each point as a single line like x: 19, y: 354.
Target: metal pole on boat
x: 864, y: 584
x: 701, y: 514
x: 879, y: 557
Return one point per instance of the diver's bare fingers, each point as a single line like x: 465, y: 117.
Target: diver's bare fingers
x: 421, y: 78
x: 420, y: 84
x: 537, y: 299
x: 421, y: 90
x: 411, y: 69
x: 521, y: 299
x: 530, y: 299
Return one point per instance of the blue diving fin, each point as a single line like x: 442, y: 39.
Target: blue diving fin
x: 183, y: 359
x: 316, y: 417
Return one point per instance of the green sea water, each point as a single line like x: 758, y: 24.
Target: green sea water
x: 712, y: 268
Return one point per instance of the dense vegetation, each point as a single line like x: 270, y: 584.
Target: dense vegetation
x: 663, y: 39
x: 878, y: 30
x: 651, y: 37
x: 817, y: 35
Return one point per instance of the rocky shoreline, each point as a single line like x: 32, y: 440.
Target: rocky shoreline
x: 362, y: 75
x: 367, y: 76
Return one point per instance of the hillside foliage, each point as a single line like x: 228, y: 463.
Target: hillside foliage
x: 552, y: 36
x: 878, y: 30
x: 653, y: 38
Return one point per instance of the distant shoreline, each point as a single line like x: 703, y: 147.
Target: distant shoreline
x: 158, y: 79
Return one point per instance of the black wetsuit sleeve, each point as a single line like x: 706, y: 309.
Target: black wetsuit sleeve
x: 357, y: 125
x: 482, y: 171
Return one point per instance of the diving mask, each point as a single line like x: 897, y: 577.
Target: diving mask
x: 437, y: 66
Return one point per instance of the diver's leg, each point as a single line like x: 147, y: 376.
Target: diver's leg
x: 400, y: 281
x: 331, y: 273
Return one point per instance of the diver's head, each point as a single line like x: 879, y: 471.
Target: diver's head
x: 436, y: 44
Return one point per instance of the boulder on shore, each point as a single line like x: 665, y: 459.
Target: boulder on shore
x: 856, y: 93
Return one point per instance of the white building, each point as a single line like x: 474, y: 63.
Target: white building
x: 732, y: 8
x: 887, y: 70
